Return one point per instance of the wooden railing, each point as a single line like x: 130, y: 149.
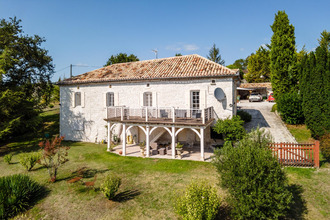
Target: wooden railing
x: 293, y: 154
x: 148, y: 113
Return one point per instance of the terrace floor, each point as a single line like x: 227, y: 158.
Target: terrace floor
x: 193, y: 153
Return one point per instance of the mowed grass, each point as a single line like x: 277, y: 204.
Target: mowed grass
x: 300, y: 133
x: 149, y: 187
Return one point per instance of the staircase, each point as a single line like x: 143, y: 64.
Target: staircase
x: 157, y: 136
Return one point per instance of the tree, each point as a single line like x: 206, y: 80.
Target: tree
x: 324, y: 41
x: 240, y: 64
x: 215, y: 56
x: 259, y: 66
x: 178, y: 54
x: 25, y: 71
x: 283, y: 59
x: 121, y: 58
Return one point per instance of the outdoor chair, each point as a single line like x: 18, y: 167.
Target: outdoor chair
x: 163, y: 114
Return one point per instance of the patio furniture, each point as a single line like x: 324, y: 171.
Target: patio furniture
x: 169, y: 150
x: 163, y: 114
x: 162, y: 151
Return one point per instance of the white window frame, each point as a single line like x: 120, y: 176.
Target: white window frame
x: 110, y: 99
x: 77, y: 99
x: 147, y: 99
x: 195, y: 99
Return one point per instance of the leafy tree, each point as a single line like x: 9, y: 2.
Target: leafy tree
x: 240, y: 64
x: 121, y: 58
x: 283, y: 58
x: 231, y: 128
x: 178, y: 54
x: 259, y: 66
x: 324, y: 41
x: 25, y: 71
x: 215, y: 56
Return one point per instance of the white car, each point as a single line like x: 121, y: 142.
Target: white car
x: 255, y: 97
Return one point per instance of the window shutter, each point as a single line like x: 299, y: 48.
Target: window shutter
x: 105, y: 99
x: 82, y: 99
x: 202, y: 99
x: 116, y: 99
x: 73, y: 101
x: 154, y: 99
x: 141, y: 99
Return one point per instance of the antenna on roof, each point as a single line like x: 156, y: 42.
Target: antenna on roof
x: 156, y: 53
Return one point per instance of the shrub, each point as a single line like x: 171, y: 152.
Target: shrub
x: 325, y: 146
x: 51, y: 106
x: 257, y: 185
x: 110, y: 186
x: 245, y: 116
x: 7, y: 158
x: 53, y: 156
x: 274, y: 108
x: 17, y: 193
x: 200, y: 201
x: 29, y: 160
x: 290, y: 107
x: 232, y: 129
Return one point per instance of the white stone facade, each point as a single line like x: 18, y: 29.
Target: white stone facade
x: 86, y: 122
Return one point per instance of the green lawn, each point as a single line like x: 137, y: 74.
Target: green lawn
x: 300, y: 133
x: 149, y: 188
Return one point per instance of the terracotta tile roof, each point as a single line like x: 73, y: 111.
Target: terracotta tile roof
x: 267, y: 85
x: 190, y: 66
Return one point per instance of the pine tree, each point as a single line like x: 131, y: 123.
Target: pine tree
x: 215, y: 56
x: 284, y: 70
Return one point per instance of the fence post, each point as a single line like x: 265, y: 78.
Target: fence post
x: 122, y: 113
x: 203, y: 115
x: 317, y: 154
x: 281, y: 153
x: 173, y: 114
x: 146, y: 114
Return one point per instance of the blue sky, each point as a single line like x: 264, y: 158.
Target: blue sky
x: 89, y: 32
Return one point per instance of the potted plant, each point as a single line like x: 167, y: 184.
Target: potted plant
x: 142, y: 147
x: 178, y: 149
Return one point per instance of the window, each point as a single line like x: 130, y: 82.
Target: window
x: 194, y: 99
x: 77, y: 99
x: 147, y: 99
x: 110, y: 99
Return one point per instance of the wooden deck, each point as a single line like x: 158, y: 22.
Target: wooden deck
x: 163, y: 121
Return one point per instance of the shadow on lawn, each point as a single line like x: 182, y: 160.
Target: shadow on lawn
x: 298, y: 208
x: 126, y: 195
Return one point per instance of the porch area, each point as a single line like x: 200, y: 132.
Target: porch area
x: 153, y: 123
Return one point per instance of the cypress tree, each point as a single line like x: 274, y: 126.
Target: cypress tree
x: 283, y: 66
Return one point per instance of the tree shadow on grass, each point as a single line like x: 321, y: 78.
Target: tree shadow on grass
x: 298, y: 208
x: 224, y: 212
x: 126, y: 195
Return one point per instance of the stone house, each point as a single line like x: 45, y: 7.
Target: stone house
x: 161, y: 100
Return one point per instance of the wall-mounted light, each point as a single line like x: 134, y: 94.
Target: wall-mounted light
x: 148, y: 84
x: 213, y: 82
x: 77, y: 87
x: 109, y: 86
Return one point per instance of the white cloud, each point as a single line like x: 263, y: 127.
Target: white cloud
x: 173, y: 47
x: 190, y: 47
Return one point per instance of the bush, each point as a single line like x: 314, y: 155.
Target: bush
x: 29, y: 160
x: 200, y: 201
x: 51, y: 106
x: 17, y: 193
x: 110, y: 186
x: 232, y: 129
x: 257, y: 185
x: 325, y: 146
x: 245, y: 116
x: 7, y: 158
x: 274, y: 108
x: 290, y: 107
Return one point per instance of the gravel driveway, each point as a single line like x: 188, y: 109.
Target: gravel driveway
x: 262, y: 116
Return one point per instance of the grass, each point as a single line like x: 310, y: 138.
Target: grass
x: 300, y: 133
x: 149, y: 188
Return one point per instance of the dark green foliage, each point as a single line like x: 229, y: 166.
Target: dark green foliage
x: 274, y: 108
x: 315, y: 89
x: 232, y: 129
x: 259, y: 66
x: 325, y: 146
x: 215, y: 56
x: 200, y: 201
x: 257, y: 185
x: 240, y: 64
x: 29, y: 160
x: 7, y: 158
x: 121, y: 58
x: 25, y: 71
x: 110, y: 186
x: 178, y: 54
x: 245, y: 116
x: 16, y: 194
x: 283, y: 59
x: 290, y: 107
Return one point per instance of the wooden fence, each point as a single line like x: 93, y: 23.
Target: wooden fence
x: 299, y: 155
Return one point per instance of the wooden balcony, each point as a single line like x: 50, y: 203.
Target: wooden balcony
x: 161, y: 115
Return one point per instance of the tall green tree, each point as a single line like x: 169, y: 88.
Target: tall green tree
x: 324, y: 41
x: 215, y: 56
x: 283, y: 58
x: 240, y: 64
x: 259, y: 66
x: 121, y: 58
x: 25, y: 71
